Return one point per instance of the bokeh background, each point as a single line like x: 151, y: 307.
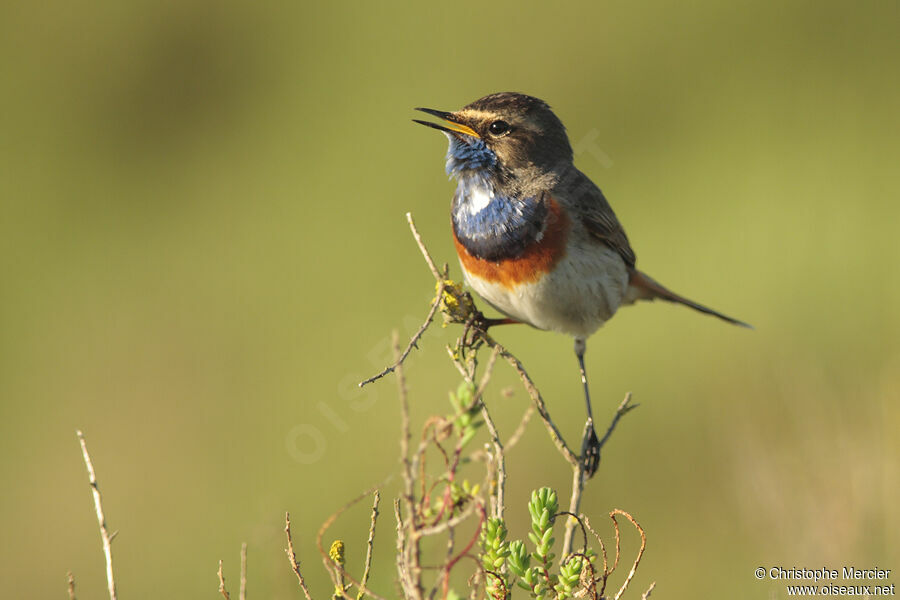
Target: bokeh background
x: 203, y: 248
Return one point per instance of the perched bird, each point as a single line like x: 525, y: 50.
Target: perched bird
x: 535, y: 237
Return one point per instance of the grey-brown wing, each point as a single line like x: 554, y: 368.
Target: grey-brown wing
x: 599, y: 218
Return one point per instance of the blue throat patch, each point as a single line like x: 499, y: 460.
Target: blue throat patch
x: 489, y: 225
x: 471, y: 155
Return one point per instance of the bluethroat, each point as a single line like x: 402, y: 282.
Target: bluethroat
x: 535, y: 237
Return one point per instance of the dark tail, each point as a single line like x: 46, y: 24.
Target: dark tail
x: 643, y: 287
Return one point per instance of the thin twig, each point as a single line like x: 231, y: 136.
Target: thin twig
x: 476, y: 582
x: 498, y: 499
x: 616, y: 527
x: 448, y: 566
x: 369, y: 546
x: 538, y: 401
x: 637, y: 561
x: 292, y: 557
x: 402, y: 571
x: 606, y: 571
x: 445, y: 525
x: 242, y: 593
x: 409, y: 567
x: 624, y: 408
x: 222, y: 589
x: 71, y: 585
x: 649, y: 591
x: 486, y: 377
x: 405, y: 434
x: 511, y: 441
x: 579, y: 520
x: 434, y: 306
x: 338, y: 572
x: 520, y: 429
x: 422, y: 248
x: 451, y: 544
x: 414, y: 340
x: 579, y: 476
x: 98, y: 508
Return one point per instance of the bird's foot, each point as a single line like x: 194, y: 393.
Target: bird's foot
x: 477, y: 327
x: 590, y: 452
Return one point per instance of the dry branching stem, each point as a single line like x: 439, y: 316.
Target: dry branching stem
x: 409, y: 568
x: 292, y: 557
x: 413, y: 341
x: 422, y: 248
x: 242, y: 594
x: 466, y: 367
x: 499, y: 459
x: 624, y: 408
x: 538, y: 401
x: 370, y: 544
x: 105, y: 537
x: 418, y: 521
x: 434, y: 306
x: 222, y: 589
x: 71, y: 582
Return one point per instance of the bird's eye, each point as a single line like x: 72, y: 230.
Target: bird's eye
x: 498, y: 127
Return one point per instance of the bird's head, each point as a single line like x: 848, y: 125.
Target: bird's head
x: 505, y: 132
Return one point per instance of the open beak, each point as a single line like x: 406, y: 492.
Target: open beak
x: 455, y: 127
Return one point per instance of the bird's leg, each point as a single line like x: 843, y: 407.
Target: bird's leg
x: 590, y: 450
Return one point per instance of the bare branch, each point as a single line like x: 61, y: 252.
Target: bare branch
x: 520, y: 429
x: 292, y: 557
x: 105, y: 537
x: 71, y: 582
x: 422, y: 248
x: 369, y: 546
x: 408, y: 559
x: 538, y: 401
x: 499, y: 459
x: 406, y: 581
x: 242, y: 594
x: 446, y: 525
x: 414, y: 340
x: 649, y: 591
x: 579, y: 476
x: 624, y: 408
x: 486, y: 377
x: 434, y: 306
x: 222, y: 589
x: 405, y: 434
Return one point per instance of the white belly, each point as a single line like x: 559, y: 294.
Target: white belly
x: 581, y: 293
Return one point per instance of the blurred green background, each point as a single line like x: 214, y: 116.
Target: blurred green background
x: 203, y: 248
